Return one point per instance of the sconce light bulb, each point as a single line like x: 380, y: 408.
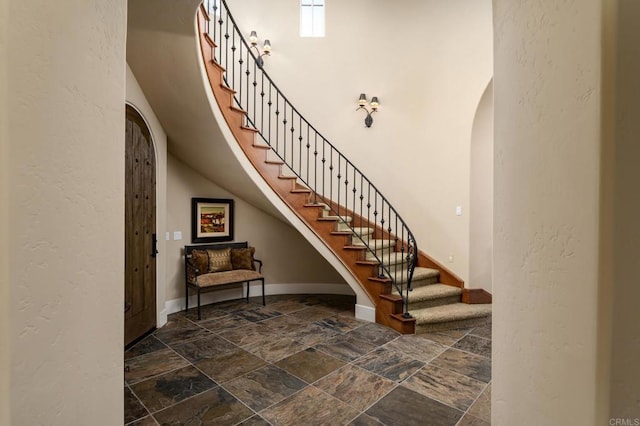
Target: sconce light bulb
x: 267, y: 47
x: 253, y: 37
x: 363, y: 100
x: 374, y: 103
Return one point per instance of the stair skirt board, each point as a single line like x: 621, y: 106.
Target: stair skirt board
x: 347, y: 249
x: 236, y: 292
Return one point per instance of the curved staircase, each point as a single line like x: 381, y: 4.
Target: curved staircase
x: 411, y: 291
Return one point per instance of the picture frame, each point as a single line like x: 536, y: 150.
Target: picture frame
x: 211, y: 220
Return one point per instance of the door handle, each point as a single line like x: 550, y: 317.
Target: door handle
x: 154, y: 245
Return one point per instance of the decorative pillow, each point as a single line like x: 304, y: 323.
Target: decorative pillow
x: 200, y: 260
x: 219, y: 260
x: 242, y: 258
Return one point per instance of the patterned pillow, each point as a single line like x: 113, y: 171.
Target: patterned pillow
x: 242, y: 258
x: 219, y: 260
x: 200, y: 260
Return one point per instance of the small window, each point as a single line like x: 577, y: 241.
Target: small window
x: 311, y: 18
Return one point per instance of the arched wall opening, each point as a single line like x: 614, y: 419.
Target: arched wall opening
x: 481, y: 195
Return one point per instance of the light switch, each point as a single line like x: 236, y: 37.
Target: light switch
x: 167, y: 236
x: 177, y: 236
x: 458, y: 210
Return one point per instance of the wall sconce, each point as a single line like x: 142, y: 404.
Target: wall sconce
x: 266, y: 48
x: 368, y: 120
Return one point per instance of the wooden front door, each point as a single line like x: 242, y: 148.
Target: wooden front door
x: 140, y: 229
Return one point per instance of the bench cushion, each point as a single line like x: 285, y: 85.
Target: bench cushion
x: 219, y: 260
x: 242, y: 258
x: 227, y: 277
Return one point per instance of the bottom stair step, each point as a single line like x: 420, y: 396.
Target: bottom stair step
x: 432, y: 295
x: 447, y: 317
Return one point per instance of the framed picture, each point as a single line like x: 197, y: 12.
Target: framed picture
x: 212, y: 220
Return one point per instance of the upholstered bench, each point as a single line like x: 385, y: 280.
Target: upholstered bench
x: 210, y: 266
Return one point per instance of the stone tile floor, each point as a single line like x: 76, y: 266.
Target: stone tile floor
x: 304, y: 360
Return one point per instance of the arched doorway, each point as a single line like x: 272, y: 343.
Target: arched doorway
x: 140, y: 229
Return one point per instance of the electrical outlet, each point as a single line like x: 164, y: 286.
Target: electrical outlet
x: 458, y: 210
x: 450, y: 258
x: 177, y: 236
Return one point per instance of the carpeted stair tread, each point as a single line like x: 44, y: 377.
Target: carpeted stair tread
x: 393, y: 258
x: 419, y: 274
x: 433, y: 291
x: 361, y: 231
x: 374, y: 244
x: 452, y: 312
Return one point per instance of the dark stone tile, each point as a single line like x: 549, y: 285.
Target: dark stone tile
x: 477, y: 345
x: 213, y: 407
x: 176, y: 334
x: 339, y: 324
x: 230, y: 365
x: 355, y: 386
x: 365, y: 420
x: 394, y: 365
x: 152, y: 364
x: 207, y: 312
x: 483, y: 331
x: 413, y: 409
x: 475, y: 366
x: 310, y: 364
x: 345, y: 347
x: 312, y: 335
x: 482, y: 407
x: 255, y: 421
x: 176, y: 320
x: 446, y: 386
x: 256, y: 313
x: 416, y: 347
x: 443, y: 339
x: 469, y: 420
x: 166, y: 390
x: 264, y: 387
x: 237, y: 304
x: 225, y: 323
x: 147, y: 421
x: 310, y: 407
x: 338, y: 303
x: 284, y: 324
x: 309, y: 299
x: 311, y: 314
x: 133, y: 409
x: 374, y: 333
x: 207, y: 347
x: 274, y: 350
x: 147, y: 345
x: 252, y: 333
x: 287, y: 306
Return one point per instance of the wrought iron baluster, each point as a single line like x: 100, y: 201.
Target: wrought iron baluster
x: 315, y: 168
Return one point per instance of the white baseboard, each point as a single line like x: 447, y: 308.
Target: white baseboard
x: 366, y: 313
x: 161, y: 318
x: 176, y: 305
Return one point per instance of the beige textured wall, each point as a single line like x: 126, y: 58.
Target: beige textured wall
x: 5, y: 302
x: 66, y: 86
x: 288, y: 257
x: 548, y: 107
x: 625, y: 373
x: 428, y: 62
x: 481, y: 198
x: 137, y: 99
